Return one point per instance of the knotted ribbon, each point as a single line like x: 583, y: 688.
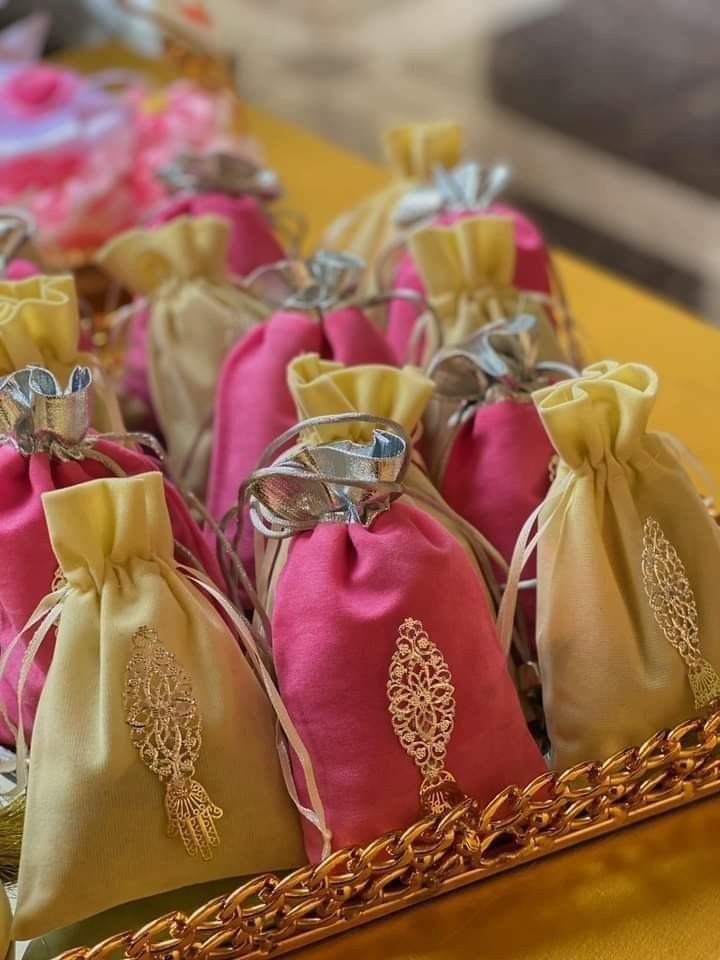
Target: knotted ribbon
x: 38, y: 416
x: 466, y: 187
x: 340, y: 482
x: 219, y: 173
x: 317, y: 283
x: 500, y: 362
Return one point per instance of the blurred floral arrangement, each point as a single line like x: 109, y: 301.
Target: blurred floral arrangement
x: 80, y: 153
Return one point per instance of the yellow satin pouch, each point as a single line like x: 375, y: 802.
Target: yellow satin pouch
x: 153, y: 763
x: 467, y: 270
x: 195, y: 315
x: 412, y: 152
x: 40, y: 324
x: 628, y: 622
x: 321, y: 387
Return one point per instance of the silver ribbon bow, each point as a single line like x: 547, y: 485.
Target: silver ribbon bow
x: 36, y: 414
x: 469, y: 186
x: 16, y: 228
x: 318, y: 283
x: 498, y: 362
x: 339, y: 482
x: 221, y: 173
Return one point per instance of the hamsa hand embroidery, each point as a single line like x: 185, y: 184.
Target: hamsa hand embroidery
x: 166, y: 730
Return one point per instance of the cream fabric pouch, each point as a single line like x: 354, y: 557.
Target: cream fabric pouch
x: 154, y: 762
x: 628, y: 613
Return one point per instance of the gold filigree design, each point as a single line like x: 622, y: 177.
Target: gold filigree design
x: 272, y: 915
x: 673, y: 605
x: 166, y: 730
x: 421, y: 700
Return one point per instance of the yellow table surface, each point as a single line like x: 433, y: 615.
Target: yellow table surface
x: 651, y: 892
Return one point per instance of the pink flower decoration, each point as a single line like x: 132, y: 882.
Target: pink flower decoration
x: 38, y: 89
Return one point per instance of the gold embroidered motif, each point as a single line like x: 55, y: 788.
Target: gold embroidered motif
x: 422, y: 709
x: 166, y: 729
x: 673, y: 605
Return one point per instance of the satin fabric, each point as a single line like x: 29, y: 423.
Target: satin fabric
x: 496, y: 474
x: 610, y: 676
x: 96, y: 830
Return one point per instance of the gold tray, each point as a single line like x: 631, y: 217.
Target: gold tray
x: 270, y: 915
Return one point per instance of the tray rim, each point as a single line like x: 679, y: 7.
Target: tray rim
x: 273, y: 915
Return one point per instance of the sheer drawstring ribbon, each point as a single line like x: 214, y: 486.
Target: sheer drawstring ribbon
x: 46, y: 614
x: 315, y: 815
x: 523, y: 550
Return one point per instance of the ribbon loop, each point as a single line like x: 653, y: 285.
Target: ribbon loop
x: 319, y: 283
x: 35, y: 411
x: 466, y: 187
x: 219, y: 172
x: 341, y: 482
x: 332, y: 482
x: 38, y: 416
x: 499, y: 361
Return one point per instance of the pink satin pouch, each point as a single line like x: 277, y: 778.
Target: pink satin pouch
x: 254, y: 404
x: 252, y: 241
x: 24, y: 537
x: 532, y: 272
x: 341, y: 599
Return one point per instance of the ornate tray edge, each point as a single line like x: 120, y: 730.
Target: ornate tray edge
x: 271, y: 915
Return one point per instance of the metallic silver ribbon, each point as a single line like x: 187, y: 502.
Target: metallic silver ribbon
x: 318, y: 283
x: 221, y: 173
x: 36, y: 413
x: 498, y: 362
x: 338, y: 482
x: 469, y: 186
x: 38, y: 416
x: 16, y: 228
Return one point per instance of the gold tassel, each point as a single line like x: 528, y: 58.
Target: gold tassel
x: 12, y: 817
x: 421, y: 700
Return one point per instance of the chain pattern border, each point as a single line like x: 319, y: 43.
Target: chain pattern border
x: 274, y: 915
